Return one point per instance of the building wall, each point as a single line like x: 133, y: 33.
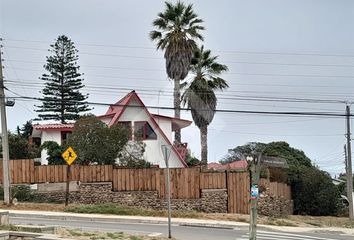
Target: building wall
x: 166, y: 127
x: 54, y: 136
x: 106, y: 120
x: 153, y: 152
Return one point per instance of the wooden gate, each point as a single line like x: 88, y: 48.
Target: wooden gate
x: 238, y: 192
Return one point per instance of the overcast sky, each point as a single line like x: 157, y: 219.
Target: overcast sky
x: 273, y: 48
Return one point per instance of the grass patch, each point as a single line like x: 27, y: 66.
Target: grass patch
x: 15, y: 228
x: 115, y: 209
x: 135, y: 238
x: 119, y: 235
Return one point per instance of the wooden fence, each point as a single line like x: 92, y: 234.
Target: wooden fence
x: 238, y: 188
x: 185, y: 183
x: 277, y: 188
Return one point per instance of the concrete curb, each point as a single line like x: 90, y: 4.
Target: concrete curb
x: 129, y: 219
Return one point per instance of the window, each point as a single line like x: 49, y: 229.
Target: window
x: 64, y: 136
x: 144, y: 131
x: 127, y: 125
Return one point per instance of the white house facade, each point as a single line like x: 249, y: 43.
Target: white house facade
x: 51, y: 132
x: 155, y: 130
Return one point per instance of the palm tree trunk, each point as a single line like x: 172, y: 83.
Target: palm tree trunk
x: 177, y: 105
x: 204, y: 144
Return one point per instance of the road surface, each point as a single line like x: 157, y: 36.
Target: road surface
x: 178, y: 231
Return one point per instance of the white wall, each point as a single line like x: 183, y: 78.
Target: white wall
x: 153, y: 152
x: 49, y: 136
x: 166, y: 127
x: 106, y: 120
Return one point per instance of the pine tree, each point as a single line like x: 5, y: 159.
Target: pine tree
x: 62, y: 99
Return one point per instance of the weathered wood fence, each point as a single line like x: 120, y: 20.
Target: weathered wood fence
x: 186, y: 183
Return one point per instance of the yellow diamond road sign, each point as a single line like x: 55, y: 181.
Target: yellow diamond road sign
x: 69, y: 155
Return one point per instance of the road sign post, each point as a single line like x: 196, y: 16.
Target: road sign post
x: 166, y: 151
x: 69, y: 156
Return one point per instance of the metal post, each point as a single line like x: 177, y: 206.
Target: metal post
x: 5, y: 140
x: 166, y: 153
x: 168, y: 199
x: 349, y: 165
x: 254, y: 180
x: 68, y: 176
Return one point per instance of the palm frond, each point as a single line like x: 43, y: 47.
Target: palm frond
x: 160, y: 23
x: 155, y: 35
x: 200, y: 95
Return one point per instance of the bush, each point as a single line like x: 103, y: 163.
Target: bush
x: 312, y: 189
x: 23, y: 193
x: 314, y: 193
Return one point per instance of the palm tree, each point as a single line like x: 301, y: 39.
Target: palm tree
x: 177, y: 29
x: 200, y: 96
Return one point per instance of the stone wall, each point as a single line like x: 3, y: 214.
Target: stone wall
x: 211, y: 201
x: 273, y: 206
x: 214, y: 200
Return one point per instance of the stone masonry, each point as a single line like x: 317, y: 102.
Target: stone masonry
x: 273, y: 206
x: 211, y: 201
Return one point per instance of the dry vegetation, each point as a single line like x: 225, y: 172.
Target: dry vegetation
x: 94, y: 235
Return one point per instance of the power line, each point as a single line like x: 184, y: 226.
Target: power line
x: 226, y: 73
x: 225, y: 61
x: 285, y: 135
x: 224, y: 93
x: 324, y: 114
x: 221, y: 51
x: 221, y: 96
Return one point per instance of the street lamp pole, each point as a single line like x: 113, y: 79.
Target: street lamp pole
x: 166, y: 151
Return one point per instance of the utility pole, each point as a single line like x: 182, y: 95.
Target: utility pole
x: 166, y: 152
x: 255, y: 169
x: 349, y: 166
x: 346, y: 161
x: 5, y: 139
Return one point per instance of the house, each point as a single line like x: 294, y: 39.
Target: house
x: 235, y: 165
x: 155, y: 130
x: 50, y: 132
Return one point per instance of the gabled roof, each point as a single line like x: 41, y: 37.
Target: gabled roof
x: 177, y: 123
x: 38, y: 128
x: 116, y: 110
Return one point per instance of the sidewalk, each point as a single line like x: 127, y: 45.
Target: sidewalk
x: 176, y: 221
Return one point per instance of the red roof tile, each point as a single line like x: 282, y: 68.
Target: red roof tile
x: 53, y: 126
x: 242, y: 164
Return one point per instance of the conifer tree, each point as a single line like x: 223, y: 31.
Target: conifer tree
x: 62, y: 99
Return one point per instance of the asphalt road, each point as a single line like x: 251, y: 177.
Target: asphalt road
x: 179, y: 232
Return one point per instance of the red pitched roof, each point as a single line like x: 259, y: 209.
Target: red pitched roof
x: 118, y: 108
x: 215, y: 166
x: 242, y: 164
